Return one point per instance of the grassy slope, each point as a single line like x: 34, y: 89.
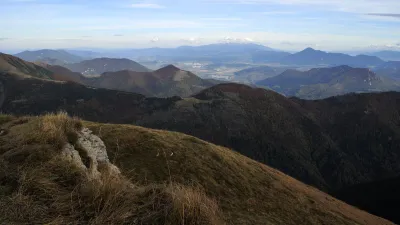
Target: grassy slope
x: 248, y: 192
x: 40, y: 186
x: 20, y: 67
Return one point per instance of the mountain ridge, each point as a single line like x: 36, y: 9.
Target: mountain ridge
x: 310, y: 56
x: 326, y: 82
x: 60, y: 56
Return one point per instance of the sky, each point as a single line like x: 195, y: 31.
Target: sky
x: 291, y: 25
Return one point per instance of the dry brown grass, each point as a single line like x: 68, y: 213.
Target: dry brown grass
x: 59, y: 128
x: 247, y: 192
x: 176, y: 204
x: 38, y: 186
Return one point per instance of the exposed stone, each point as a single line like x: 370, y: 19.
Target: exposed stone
x: 95, y: 149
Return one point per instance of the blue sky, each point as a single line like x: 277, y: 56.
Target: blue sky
x: 333, y: 25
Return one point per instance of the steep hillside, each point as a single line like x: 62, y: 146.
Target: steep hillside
x: 326, y: 82
x: 63, y: 74
x: 11, y: 64
x: 380, y: 197
x: 58, y: 57
x: 34, y: 96
x: 96, y: 67
x: 64, y: 174
x: 311, y: 56
x: 165, y: 82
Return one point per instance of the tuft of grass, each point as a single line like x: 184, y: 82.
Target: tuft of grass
x: 177, y: 204
x: 60, y: 128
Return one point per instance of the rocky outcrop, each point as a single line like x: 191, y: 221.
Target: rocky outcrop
x: 90, y: 154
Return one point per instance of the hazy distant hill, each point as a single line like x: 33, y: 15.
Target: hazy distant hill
x: 85, y: 54
x: 254, y: 74
x: 386, y: 55
x: 268, y: 56
x: 390, y: 69
x: 96, y: 67
x: 310, y: 56
x: 326, y: 82
x: 165, y: 82
x: 216, y: 53
x: 58, y: 57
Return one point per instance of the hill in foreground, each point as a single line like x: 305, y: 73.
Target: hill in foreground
x: 63, y: 173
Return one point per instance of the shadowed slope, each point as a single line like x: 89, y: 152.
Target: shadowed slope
x: 248, y: 192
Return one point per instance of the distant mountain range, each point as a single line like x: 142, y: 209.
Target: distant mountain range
x: 216, y: 53
x: 311, y: 56
x: 57, y: 57
x: 326, y: 82
x: 95, y: 67
x: 389, y: 69
x: 387, y: 55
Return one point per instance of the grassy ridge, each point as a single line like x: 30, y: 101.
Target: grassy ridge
x: 247, y: 191
x: 39, y: 186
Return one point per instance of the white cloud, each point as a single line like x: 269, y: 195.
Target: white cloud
x: 155, y: 39
x: 192, y: 40
x: 147, y: 6
x: 229, y: 39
